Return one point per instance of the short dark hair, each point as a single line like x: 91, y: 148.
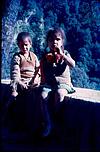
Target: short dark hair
x: 21, y: 36
x: 52, y: 31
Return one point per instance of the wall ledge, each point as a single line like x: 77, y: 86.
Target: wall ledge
x: 85, y: 94
x: 81, y: 93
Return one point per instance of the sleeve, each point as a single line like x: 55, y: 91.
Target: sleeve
x: 15, y: 68
x: 68, y: 59
x: 37, y: 64
x: 67, y: 53
x: 42, y: 71
x: 37, y: 75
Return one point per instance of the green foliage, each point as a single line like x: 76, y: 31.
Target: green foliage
x: 79, y: 77
x: 8, y: 22
x: 84, y: 59
x: 50, y: 20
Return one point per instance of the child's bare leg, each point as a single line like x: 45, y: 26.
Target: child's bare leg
x: 60, y: 94
x: 45, y: 112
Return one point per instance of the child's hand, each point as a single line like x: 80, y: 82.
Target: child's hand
x: 23, y: 85
x: 61, y: 52
x: 58, y: 50
x: 37, y: 81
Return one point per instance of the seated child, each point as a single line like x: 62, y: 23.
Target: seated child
x: 24, y: 66
x: 55, y: 73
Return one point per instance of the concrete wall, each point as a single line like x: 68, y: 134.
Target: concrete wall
x: 81, y: 93
x: 76, y: 128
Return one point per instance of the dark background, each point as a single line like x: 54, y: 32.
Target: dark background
x: 79, y: 18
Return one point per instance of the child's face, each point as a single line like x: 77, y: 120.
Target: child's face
x: 55, y: 41
x: 25, y: 45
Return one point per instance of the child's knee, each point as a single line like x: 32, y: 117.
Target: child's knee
x: 44, y: 95
x: 60, y: 94
x: 14, y: 93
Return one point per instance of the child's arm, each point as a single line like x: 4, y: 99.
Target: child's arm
x: 15, y: 73
x: 69, y: 60
x: 36, y: 78
x: 66, y: 56
x: 15, y: 69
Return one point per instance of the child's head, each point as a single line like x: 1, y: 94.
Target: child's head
x: 55, y: 38
x: 24, y: 41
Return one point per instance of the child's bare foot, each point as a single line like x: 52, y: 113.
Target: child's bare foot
x: 14, y: 94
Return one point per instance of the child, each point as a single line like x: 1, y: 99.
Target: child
x: 25, y: 66
x: 55, y: 73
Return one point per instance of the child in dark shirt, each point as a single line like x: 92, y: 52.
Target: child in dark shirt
x: 55, y: 73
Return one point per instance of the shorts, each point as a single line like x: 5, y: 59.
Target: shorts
x: 48, y: 88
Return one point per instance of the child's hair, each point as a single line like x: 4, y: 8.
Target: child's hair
x: 55, y: 30
x: 21, y: 36
x: 50, y: 34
